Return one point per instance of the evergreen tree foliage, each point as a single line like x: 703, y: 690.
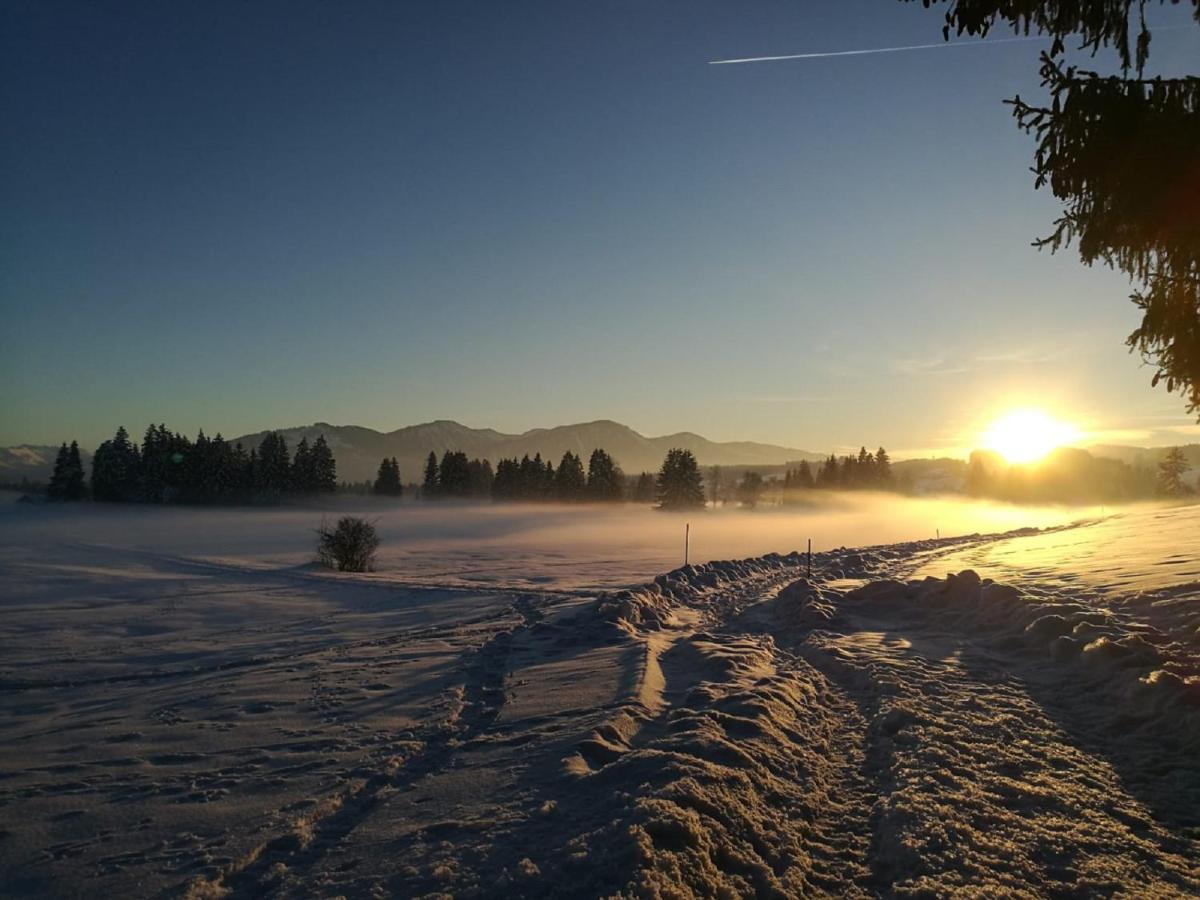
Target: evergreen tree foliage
x: 75, y: 486
x: 884, y: 477
x: 481, y: 477
x: 1120, y: 154
x: 454, y: 475
x: 324, y: 467
x: 570, y: 484
x: 644, y: 488
x: 273, y: 473
x: 804, y: 475
x: 507, y: 485
x: 429, y: 486
x: 1170, y: 474
x: 828, y: 477
x: 865, y: 475
x: 715, y: 485
x: 795, y: 481
x: 750, y: 489
x: 847, y: 472
x: 303, y: 475
x: 387, y: 483
x: 56, y: 488
x: 605, y: 480
x: 679, y: 485
x: 116, y: 468
x: 544, y: 472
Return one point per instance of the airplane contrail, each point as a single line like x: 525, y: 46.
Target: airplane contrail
x: 755, y: 59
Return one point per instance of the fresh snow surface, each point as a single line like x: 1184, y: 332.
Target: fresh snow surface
x: 514, y: 705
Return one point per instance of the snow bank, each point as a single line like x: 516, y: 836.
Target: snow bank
x: 1154, y: 672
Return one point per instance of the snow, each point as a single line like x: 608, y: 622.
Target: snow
x: 534, y: 702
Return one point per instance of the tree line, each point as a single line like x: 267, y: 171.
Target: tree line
x: 863, y: 471
x: 523, y: 480
x: 167, y: 467
x: 1072, y: 475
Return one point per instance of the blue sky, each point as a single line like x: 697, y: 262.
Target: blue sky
x: 235, y: 216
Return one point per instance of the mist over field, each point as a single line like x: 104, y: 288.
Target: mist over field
x: 513, y: 545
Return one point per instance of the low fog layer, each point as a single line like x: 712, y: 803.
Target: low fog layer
x: 549, y: 546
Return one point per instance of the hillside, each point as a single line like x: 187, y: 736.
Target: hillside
x: 32, y: 461
x: 358, y: 450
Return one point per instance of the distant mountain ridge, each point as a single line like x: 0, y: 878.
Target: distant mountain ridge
x: 358, y: 450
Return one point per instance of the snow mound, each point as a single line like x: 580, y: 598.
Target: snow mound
x: 1149, y: 669
x: 651, y: 607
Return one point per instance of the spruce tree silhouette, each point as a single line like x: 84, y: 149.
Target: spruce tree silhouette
x: 1120, y: 153
x: 429, y: 486
x: 570, y: 484
x: 679, y: 485
x: 605, y: 480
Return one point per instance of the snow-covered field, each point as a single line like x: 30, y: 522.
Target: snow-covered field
x: 189, y: 708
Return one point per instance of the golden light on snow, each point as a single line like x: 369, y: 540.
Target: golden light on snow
x: 1026, y: 435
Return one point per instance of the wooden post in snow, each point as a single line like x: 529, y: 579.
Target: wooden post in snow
x: 687, y: 535
x: 810, y: 557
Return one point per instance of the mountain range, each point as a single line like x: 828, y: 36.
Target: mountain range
x: 358, y: 450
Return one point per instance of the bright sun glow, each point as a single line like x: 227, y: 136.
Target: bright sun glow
x: 1026, y: 435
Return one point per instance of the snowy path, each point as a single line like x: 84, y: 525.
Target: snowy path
x: 176, y: 727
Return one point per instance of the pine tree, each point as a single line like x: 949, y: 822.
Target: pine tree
x: 750, y: 489
x: 829, y: 476
x: 154, y: 464
x: 883, y: 469
x: 1170, y: 474
x: 302, y: 480
x: 324, y: 468
x: 241, y: 471
x: 480, y: 477
x: 272, y: 474
x: 795, y: 481
x: 67, y: 483
x: 544, y: 478
x: 643, y: 490
x: 605, y: 480
x: 506, y: 485
x: 570, y: 484
x: 429, y: 487
x: 387, y: 483
x: 714, y: 485
x: 864, y: 468
x: 529, y: 478
x: 804, y: 476
x: 115, y: 469
x: 454, y: 475
x: 57, y: 488
x: 847, y: 472
x: 222, y: 480
x: 679, y: 484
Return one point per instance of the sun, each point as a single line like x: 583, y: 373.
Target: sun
x: 1026, y: 435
